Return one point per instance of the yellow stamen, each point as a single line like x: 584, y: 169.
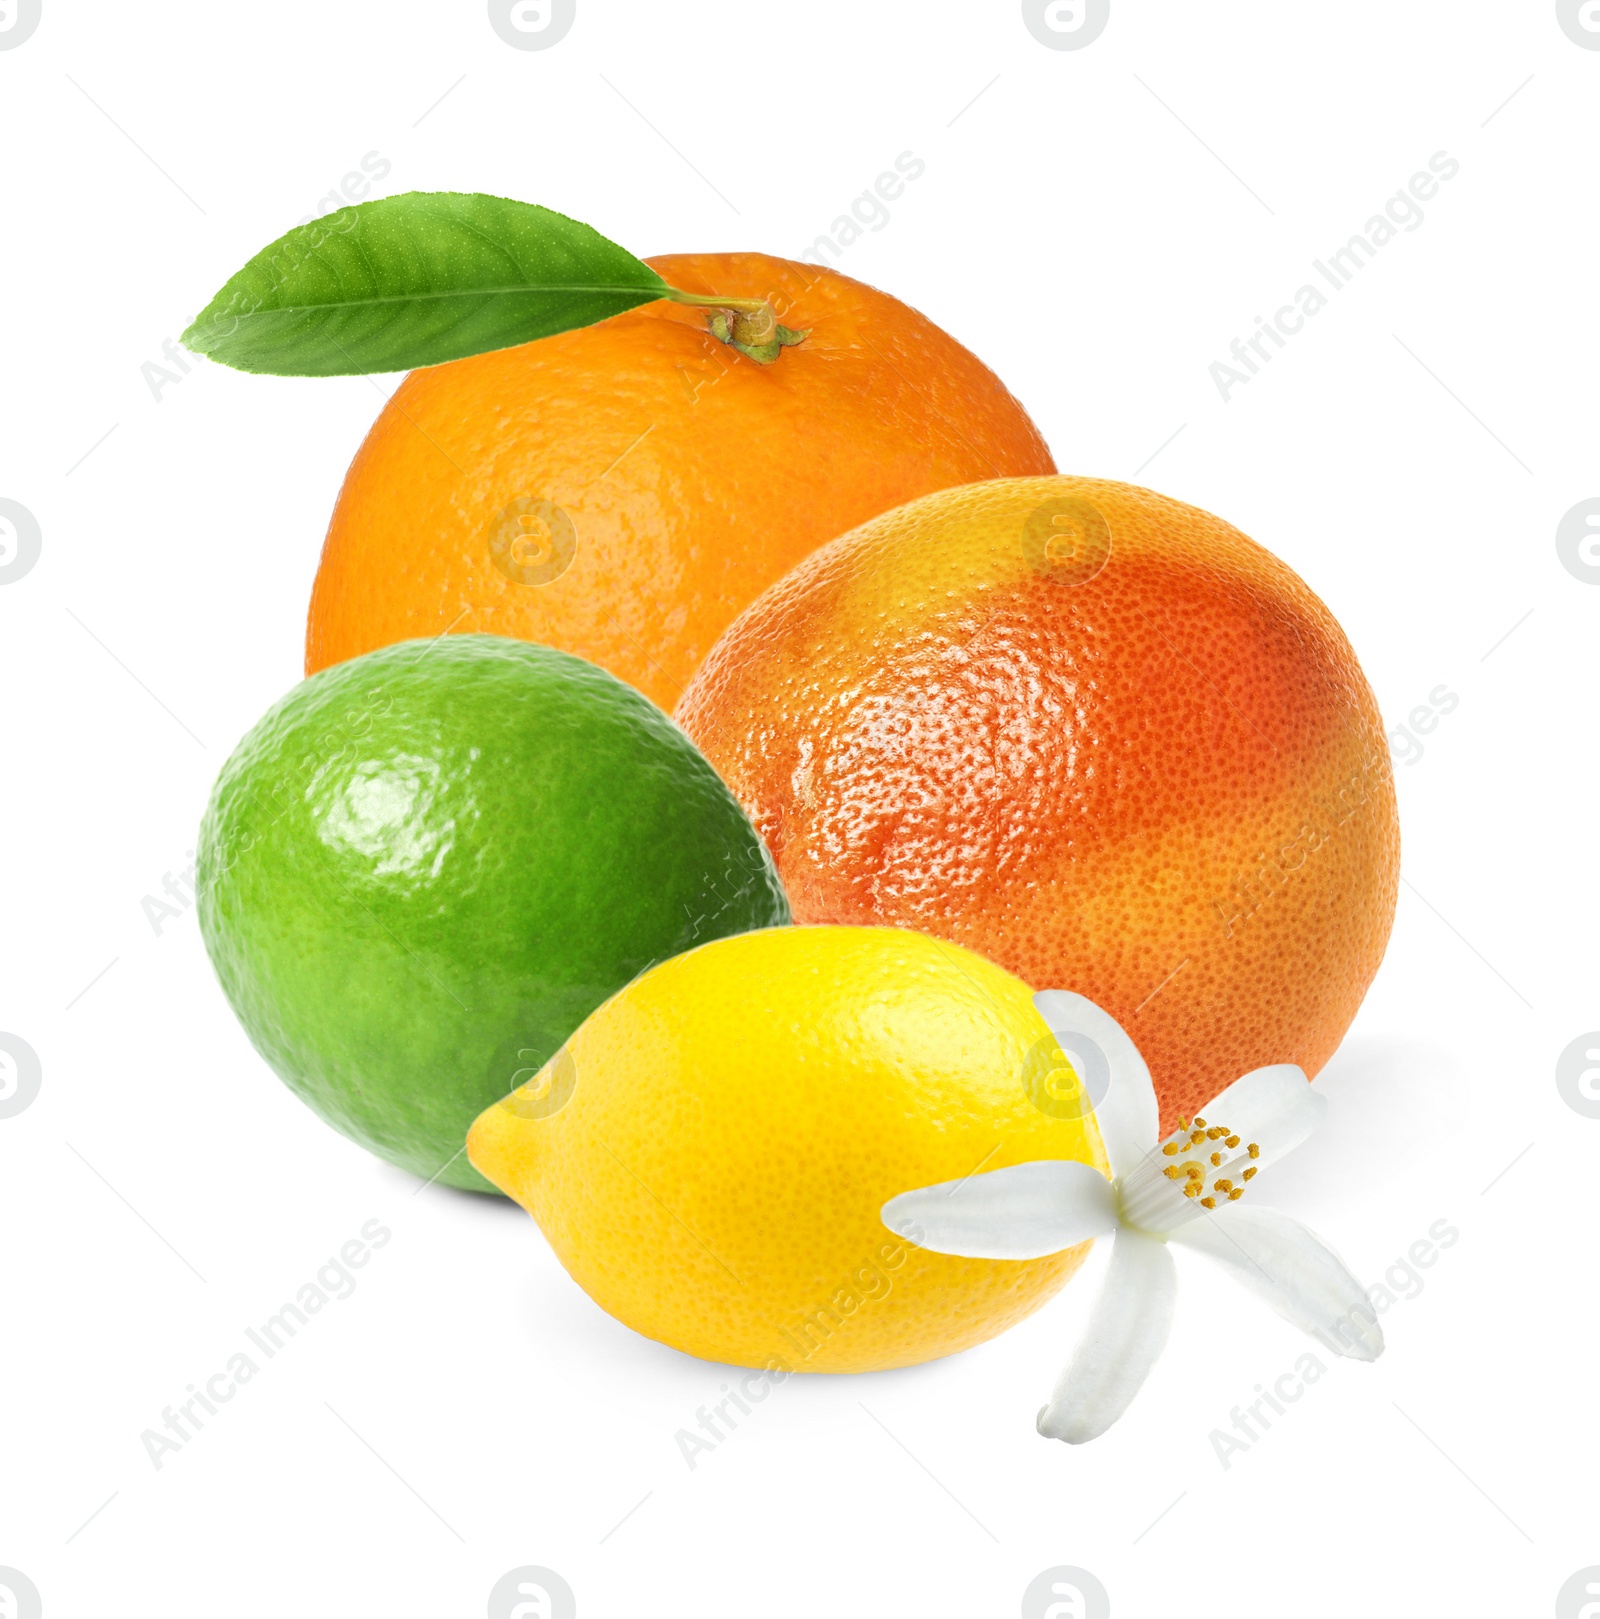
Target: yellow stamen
x: 1208, y: 1202
x: 1233, y: 1141
x: 1216, y: 1158
x: 1170, y: 1149
x: 1236, y: 1194
x: 1248, y: 1174
x: 1255, y: 1151
x: 1200, y: 1124
x: 1222, y: 1184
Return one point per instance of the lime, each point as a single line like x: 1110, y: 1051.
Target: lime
x: 425, y: 867
x: 709, y: 1153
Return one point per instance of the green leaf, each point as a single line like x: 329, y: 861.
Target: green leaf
x: 413, y: 280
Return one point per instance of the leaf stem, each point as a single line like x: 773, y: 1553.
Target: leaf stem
x: 753, y: 322
x: 747, y: 324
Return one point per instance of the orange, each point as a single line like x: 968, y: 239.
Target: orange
x: 622, y: 492
x: 1097, y: 736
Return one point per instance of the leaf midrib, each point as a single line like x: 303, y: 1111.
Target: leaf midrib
x: 418, y: 297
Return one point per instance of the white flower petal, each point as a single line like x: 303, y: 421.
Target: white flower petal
x: 1024, y: 1212
x: 1113, y: 1072
x: 1128, y: 1329
x: 1295, y: 1271
x: 1275, y: 1107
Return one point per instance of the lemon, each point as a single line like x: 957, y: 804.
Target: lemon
x: 709, y: 1152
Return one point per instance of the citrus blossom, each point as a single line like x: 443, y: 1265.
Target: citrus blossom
x: 1188, y: 1188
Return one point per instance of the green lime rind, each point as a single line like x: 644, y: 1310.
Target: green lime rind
x: 425, y: 867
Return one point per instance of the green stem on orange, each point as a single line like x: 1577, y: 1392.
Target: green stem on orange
x: 747, y: 324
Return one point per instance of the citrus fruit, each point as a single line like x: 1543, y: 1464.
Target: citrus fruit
x: 421, y: 871
x: 709, y: 1153
x: 1098, y: 736
x: 622, y: 491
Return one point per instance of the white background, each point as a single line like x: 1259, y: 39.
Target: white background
x: 1097, y: 224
